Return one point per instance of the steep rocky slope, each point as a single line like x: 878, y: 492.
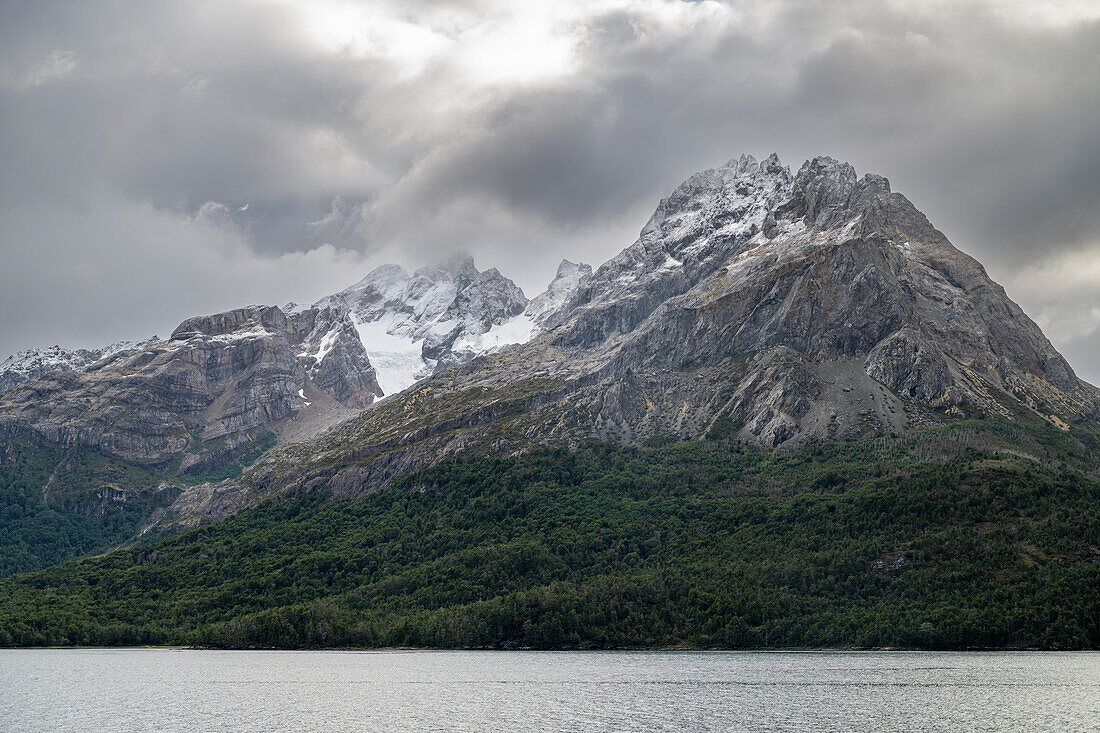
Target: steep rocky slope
x: 208, y: 394
x: 836, y: 287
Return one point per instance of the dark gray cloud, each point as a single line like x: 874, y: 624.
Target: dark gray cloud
x: 165, y: 159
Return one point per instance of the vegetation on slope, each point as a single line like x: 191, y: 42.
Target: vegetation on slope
x: 712, y: 544
x: 60, y: 503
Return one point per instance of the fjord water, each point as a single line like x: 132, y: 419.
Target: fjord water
x: 180, y: 689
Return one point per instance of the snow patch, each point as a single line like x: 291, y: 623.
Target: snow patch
x: 245, y: 334
x: 517, y: 330
x: 327, y: 342
x: 397, y: 360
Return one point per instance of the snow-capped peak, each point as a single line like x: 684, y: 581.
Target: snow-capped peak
x: 33, y: 363
x: 567, y: 281
x: 411, y: 325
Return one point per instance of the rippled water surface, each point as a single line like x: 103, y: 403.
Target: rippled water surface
x: 186, y: 690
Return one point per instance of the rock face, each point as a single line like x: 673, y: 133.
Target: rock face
x: 34, y: 363
x: 210, y: 393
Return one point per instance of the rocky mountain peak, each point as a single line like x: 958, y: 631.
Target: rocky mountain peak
x: 255, y: 319
x: 568, y: 280
x: 740, y: 191
x: 831, y: 286
x: 825, y: 187
x: 822, y: 268
x: 692, y: 233
x: 411, y: 325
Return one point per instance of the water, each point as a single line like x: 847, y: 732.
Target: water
x: 189, y: 690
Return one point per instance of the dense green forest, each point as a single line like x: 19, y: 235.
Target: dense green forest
x: 912, y: 541
x: 60, y: 503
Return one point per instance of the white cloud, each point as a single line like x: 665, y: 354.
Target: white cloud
x: 1063, y: 293
x: 160, y: 268
x: 58, y: 65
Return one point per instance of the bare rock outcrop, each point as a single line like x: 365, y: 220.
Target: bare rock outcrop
x: 213, y: 391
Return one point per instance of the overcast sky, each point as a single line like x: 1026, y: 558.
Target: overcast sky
x: 159, y: 160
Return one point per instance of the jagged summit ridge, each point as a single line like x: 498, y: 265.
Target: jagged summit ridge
x: 692, y: 232
x: 33, y: 363
x: 411, y: 325
x: 830, y: 269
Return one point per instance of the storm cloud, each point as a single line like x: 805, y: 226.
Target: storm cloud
x: 161, y: 160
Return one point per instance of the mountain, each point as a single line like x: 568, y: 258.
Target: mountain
x: 790, y: 413
x: 225, y: 385
x: 772, y: 307
x: 203, y: 397
x: 412, y: 325
x: 852, y: 313
x: 31, y: 364
x: 225, y: 388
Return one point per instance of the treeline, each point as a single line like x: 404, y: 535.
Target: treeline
x: 699, y: 544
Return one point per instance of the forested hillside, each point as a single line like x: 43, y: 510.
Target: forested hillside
x: 60, y: 503
x: 931, y: 539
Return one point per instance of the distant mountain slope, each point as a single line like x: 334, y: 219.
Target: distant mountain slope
x: 31, y: 364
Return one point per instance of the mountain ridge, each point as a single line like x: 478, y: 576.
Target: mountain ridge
x: 770, y: 306
x: 294, y: 370
x: 30, y: 364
